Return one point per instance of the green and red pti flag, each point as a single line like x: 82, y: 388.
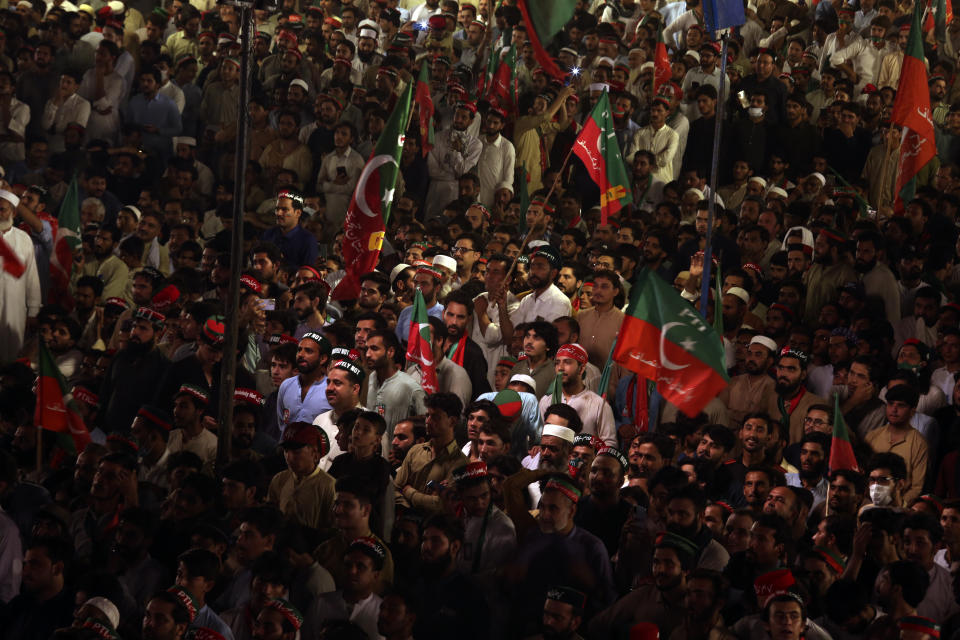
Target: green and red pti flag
x: 665, y: 340
x: 662, y: 70
x: 369, y: 209
x: 420, y: 345
x: 503, y: 87
x: 911, y: 110
x: 544, y: 20
x: 56, y: 410
x: 425, y: 108
x: 939, y: 16
x: 597, y: 147
x: 66, y: 241
x: 841, y: 451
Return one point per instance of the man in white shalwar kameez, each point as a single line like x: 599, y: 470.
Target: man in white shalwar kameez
x: 19, y: 297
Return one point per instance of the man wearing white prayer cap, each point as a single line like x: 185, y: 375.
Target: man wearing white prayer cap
x: 20, y: 296
x: 748, y: 391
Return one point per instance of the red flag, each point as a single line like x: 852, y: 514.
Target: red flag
x: 425, y: 106
x: 503, y: 88
x: 11, y: 261
x: 911, y: 110
x: 56, y: 409
x: 365, y: 225
x: 544, y: 19
x: 662, y: 70
x: 420, y: 345
x: 664, y: 339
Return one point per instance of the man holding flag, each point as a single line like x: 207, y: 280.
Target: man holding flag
x: 20, y: 296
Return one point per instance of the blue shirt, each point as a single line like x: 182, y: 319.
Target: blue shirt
x: 162, y: 113
x: 207, y: 619
x: 290, y: 408
x: 298, y: 245
x: 403, y: 322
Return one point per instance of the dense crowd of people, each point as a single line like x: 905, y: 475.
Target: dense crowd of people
x: 542, y: 490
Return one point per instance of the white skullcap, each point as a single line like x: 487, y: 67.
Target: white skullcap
x: 692, y: 54
x: 397, y: 270
x: 300, y: 83
x: 116, y: 7
x: 187, y: 140
x: 700, y: 195
x: 646, y: 65
x: 763, y: 183
x: 739, y: 292
x: 132, y: 209
x: 525, y: 379
x: 559, y: 431
x: 605, y: 60
x: 533, y: 244
x: 445, y: 261
x: 10, y: 197
x: 764, y: 341
x: 806, y: 237
x: 777, y: 191
x: 368, y: 33
x: 107, y: 608
x: 819, y: 177
x: 599, y: 86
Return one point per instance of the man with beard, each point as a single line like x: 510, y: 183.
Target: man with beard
x: 790, y: 400
x: 496, y: 162
x: 309, y: 305
x: 266, y: 259
x: 45, y: 603
x: 685, y: 509
x: 570, y: 279
x: 303, y: 397
x: 648, y: 453
x: 20, y: 297
x: 134, y: 372
x: 900, y: 437
x: 343, y: 394
x: 733, y: 310
x: 390, y: 392
x: 765, y: 551
x: 828, y: 273
x: 596, y: 414
x: 303, y: 491
x: 746, y: 392
x: 139, y: 572
x: 539, y: 346
x: 427, y: 279
x: 110, y: 269
x: 562, y: 614
x: 922, y: 325
x: 460, y: 347
x: 599, y: 324
x: 434, y: 460
x: 658, y: 250
x: 848, y: 610
x: 114, y: 485
x: 455, y: 153
x: 878, y: 280
x: 457, y: 606
x: 485, y: 330
x: 406, y: 434
x: 812, y: 474
x: 706, y: 594
x: 900, y: 588
x: 755, y: 436
x: 660, y: 601
x: 189, y: 405
x: 556, y: 551
x: 190, y: 327
x: 490, y: 539
x: 862, y: 409
x: 604, y: 511
x: 151, y: 431
x: 545, y: 300
x: 298, y: 245
x: 757, y: 483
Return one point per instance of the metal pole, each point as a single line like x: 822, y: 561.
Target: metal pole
x: 714, y: 162
x: 228, y: 372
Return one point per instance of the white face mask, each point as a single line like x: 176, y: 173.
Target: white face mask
x: 755, y: 112
x: 881, y: 495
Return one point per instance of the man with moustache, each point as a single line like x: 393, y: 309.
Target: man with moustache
x: 309, y: 305
x: 878, y: 280
x: 109, y: 268
x: 458, y: 346
x: 790, y: 399
x: 497, y: 159
x: 827, y: 274
x: 134, y: 372
x: 747, y: 391
x: 604, y: 511
x: 648, y: 453
x: 814, y: 456
x: 114, y: 487
x: 20, y: 297
x: 562, y: 614
x: 343, y: 394
x: 303, y: 397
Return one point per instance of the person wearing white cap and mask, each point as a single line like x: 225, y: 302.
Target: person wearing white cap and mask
x: 19, y: 280
x: 748, y: 391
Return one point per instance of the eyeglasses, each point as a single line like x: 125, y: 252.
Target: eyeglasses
x: 461, y: 249
x: 817, y: 422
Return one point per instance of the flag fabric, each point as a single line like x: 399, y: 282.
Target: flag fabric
x: 66, y: 241
x: 841, y: 451
x: 662, y: 69
x: 938, y: 17
x: 911, y: 110
x: 420, y: 345
x: 369, y: 209
x: 458, y: 350
x: 607, y: 370
x: 56, y: 409
x: 503, y: 88
x: 493, y: 60
x: 723, y: 14
x: 425, y: 109
x: 664, y: 339
x: 556, y: 389
x: 544, y: 20
x: 12, y: 263
x: 597, y: 147
x: 717, y: 303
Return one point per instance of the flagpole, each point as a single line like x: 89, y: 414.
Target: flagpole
x: 714, y: 169
x: 39, y: 446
